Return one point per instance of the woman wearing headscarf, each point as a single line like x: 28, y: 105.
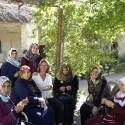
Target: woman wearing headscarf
x: 66, y: 81
x: 116, y: 113
x: 8, y: 112
x: 36, y: 110
x: 97, y: 88
x: 11, y: 67
x: 32, y: 57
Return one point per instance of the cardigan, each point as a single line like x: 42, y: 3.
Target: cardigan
x: 74, y: 84
x: 9, y: 70
x: 100, y: 90
x: 21, y: 90
x: 30, y: 63
x: 36, y: 114
x: 6, y: 116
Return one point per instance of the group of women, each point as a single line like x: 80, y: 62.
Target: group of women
x: 27, y: 86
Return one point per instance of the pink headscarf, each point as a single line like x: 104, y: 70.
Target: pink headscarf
x: 120, y: 96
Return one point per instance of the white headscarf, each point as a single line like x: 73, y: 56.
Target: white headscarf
x: 4, y: 79
x: 10, y: 60
x: 120, y: 96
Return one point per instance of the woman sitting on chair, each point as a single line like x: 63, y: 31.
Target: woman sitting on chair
x: 36, y: 110
x: 116, y: 114
x: 8, y: 112
x: 97, y: 88
x: 67, y: 82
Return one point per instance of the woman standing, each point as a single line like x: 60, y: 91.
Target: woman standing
x: 66, y: 81
x: 32, y: 57
x: 116, y: 111
x: 11, y: 67
x: 97, y: 88
x: 8, y: 112
x: 36, y: 110
x: 44, y: 82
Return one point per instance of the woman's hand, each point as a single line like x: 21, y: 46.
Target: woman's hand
x: 62, y: 88
x: 109, y: 103
x: 103, y: 100
x: 16, y: 74
x: 19, y: 107
x: 94, y: 110
x: 68, y: 88
x: 42, y: 102
x: 90, y: 97
x: 21, y: 104
x: 25, y: 101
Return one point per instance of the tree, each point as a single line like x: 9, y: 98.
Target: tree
x: 85, y: 26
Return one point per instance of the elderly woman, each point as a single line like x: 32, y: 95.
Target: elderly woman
x: 32, y: 57
x: 97, y: 88
x: 44, y: 82
x: 66, y: 81
x: 8, y: 112
x: 116, y: 112
x: 11, y: 67
x: 36, y: 110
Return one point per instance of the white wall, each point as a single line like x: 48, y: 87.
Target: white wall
x: 10, y: 37
x: 16, y: 35
x: 26, y: 35
x: 121, y: 45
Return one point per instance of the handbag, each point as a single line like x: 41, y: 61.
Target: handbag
x: 64, y: 97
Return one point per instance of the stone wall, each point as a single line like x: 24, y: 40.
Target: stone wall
x: 16, y: 35
x: 9, y: 37
x: 121, y: 45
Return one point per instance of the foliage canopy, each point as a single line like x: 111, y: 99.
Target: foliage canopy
x: 86, y: 26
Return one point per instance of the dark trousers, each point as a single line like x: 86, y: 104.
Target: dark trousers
x: 85, y: 113
x: 58, y: 107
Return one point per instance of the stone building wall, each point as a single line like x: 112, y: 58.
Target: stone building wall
x: 121, y: 45
x: 16, y: 35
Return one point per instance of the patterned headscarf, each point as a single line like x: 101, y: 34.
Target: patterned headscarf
x: 10, y: 60
x: 4, y: 79
x: 32, y: 57
x: 120, y: 96
x: 65, y: 78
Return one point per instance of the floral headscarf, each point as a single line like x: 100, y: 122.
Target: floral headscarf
x: 10, y: 60
x: 65, y: 78
x: 120, y: 96
x: 4, y: 79
x: 32, y: 57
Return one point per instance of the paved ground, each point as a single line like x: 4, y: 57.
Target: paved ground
x: 82, y: 93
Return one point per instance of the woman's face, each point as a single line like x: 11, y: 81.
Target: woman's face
x: 5, y: 88
x: 94, y: 73
x: 43, y: 67
x: 65, y: 71
x: 14, y: 55
x: 34, y: 49
x: 121, y: 86
x: 26, y: 74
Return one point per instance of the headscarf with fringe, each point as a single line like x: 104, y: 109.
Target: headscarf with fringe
x: 32, y: 57
x: 65, y: 78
